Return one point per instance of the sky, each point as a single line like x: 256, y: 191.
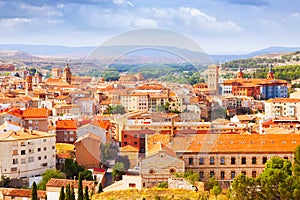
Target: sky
x: 218, y: 26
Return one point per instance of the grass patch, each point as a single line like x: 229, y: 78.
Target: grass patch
x: 154, y: 194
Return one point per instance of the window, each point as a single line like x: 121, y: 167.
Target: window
x: 253, y: 160
x: 201, y: 175
x: 125, y: 143
x: 23, y: 152
x: 222, y: 161
x: 15, y: 152
x: 23, y: 161
x: 30, y: 121
x: 15, y: 161
x: 254, y: 174
x: 244, y: 172
x: 39, y: 158
x: 45, y: 157
x: 132, y: 185
x: 125, y: 136
x: 14, y: 169
x: 243, y: 160
x: 172, y: 170
x: 191, y: 161
x: 211, y: 173
x: 232, y: 174
x: 201, y: 161
x: 151, y: 171
x: 45, y: 148
x: 30, y: 159
x: 31, y: 151
x: 71, y: 139
x: 212, y: 160
x: 39, y: 149
x: 222, y: 174
x: 264, y: 160
x: 285, y: 157
x: 71, y: 132
x: 135, y: 143
x: 53, y: 147
x: 233, y: 160
x: 44, y: 140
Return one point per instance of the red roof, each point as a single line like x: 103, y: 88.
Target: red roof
x: 35, y: 113
x: 66, y: 124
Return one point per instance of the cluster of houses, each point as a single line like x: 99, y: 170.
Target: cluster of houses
x: 163, y: 129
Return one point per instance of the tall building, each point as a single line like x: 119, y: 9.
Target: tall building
x: 213, y: 78
x: 26, y: 153
x: 67, y: 75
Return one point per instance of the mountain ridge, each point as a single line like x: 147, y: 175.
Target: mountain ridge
x: 38, y: 51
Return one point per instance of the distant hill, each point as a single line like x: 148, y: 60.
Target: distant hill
x: 269, y: 50
x: 47, y: 50
x: 141, y: 54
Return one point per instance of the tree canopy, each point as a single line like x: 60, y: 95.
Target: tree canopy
x: 47, y: 175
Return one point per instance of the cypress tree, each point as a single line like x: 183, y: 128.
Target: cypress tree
x: 80, y: 189
x: 72, y: 193
x: 62, y: 193
x: 86, y: 193
x: 34, y: 195
x: 68, y: 193
x: 100, y: 189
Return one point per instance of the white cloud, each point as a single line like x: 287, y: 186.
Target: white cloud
x: 296, y: 14
x: 143, y: 22
x: 12, y: 23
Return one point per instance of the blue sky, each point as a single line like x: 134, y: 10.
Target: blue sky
x: 218, y: 26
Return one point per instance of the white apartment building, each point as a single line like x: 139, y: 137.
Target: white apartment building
x: 26, y: 153
x: 282, y: 107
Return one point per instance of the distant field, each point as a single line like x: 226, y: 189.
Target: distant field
x: 155, y: 194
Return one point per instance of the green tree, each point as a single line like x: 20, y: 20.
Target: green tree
x: 72, y: 192
x: 47, y: 175
x: 210, y: 183
x: 62, y: 193
x: 80, y: 188
x: 72, y: 169
x: 273, y: 181
x: 118, y: 171
x: 100, y: 189
x: 34, y: 195
x: 4, y: 181
x: 163, y: 184
x: 296, y: 164
x: 87, y: 175
x: 216, y: 190
x: 125, y: 160
x: 68, y: 193
x: 86, y: 193
x: 243, y: 187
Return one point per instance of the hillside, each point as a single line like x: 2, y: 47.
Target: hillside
x: 153, y: 194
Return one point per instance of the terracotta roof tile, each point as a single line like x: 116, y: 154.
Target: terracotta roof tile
x: 53, y: 182
x: 66, y: 124
x: 35, y: 113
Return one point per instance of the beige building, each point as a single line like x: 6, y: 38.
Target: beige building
x: 26, y: 153
x: 132, y: 153
x: 213, y: 78
x: 61, y: 109
x: 282, y: 107
x: 225, y: 156
x: 159, y: 165
x: 136, y: 101
x: 127, y: 182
